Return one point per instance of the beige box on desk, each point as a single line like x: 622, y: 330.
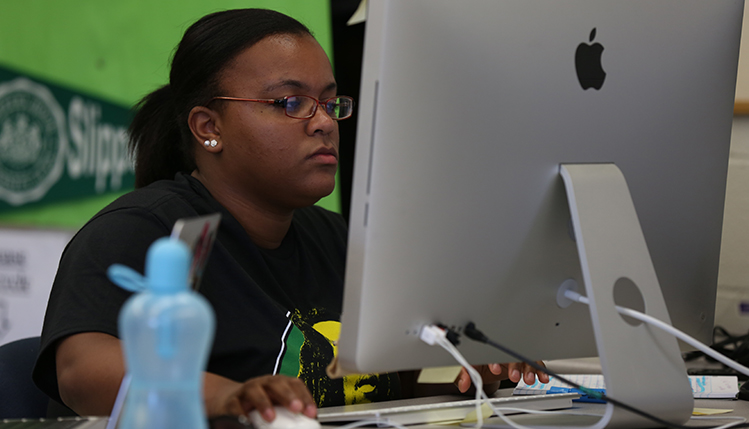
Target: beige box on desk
x: 732, y: 309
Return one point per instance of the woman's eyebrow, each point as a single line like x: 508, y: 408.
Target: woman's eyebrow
x: 296, y: 84
x: 332, y: 86
x: 287, y: 83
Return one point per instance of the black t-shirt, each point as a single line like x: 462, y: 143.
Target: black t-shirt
x: 277, y: 311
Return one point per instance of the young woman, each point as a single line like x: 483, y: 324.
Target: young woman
x: 246, y: 127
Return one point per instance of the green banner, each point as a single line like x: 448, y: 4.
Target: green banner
x: 114, y: 50
x: 57, y: 144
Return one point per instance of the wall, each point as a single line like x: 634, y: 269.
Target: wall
x: 742, y: 82
x: 732, y: 309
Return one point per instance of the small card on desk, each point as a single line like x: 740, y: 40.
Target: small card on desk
x: 703, y: 387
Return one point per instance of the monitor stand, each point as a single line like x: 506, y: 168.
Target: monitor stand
x: 642, y: 366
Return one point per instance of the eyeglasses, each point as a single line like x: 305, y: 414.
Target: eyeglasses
x: 304, y: 106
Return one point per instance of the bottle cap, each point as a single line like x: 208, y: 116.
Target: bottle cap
x: 167, y: 266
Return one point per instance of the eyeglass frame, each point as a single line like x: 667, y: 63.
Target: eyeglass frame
x: 280, y: 101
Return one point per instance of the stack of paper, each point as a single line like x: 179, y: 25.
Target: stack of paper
x: 702, y: 386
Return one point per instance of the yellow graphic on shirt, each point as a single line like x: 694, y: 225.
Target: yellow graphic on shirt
x: 316, y: 337
x: 355, y: 387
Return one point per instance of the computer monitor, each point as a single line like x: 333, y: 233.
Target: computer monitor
x: 459, y: 212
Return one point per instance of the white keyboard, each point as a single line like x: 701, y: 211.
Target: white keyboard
x: 438, y: 408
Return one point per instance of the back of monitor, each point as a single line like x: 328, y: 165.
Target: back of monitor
x: 467, y: 111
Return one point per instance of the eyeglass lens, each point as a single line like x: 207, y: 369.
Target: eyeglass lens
x: 304, y: 107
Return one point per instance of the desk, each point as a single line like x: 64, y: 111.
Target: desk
x: 740, y: 409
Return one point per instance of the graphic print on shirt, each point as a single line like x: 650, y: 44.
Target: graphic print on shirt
x: 310, y: 343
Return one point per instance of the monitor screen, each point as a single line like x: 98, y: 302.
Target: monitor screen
x: 467, y: 111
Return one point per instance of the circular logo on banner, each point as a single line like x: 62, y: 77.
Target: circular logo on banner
x: 32, y: 141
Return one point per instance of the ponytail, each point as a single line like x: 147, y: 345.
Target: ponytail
x: 156, y: 140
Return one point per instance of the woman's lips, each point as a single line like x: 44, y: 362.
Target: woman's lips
x: 325, y: 156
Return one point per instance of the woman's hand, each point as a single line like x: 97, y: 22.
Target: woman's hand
x: 227, y: 397
x: 493, y: 373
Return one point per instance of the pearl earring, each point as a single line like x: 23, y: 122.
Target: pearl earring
x: 206, y: 143
x: 214, y: 143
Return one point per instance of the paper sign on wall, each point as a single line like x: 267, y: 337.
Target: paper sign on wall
x: 28, y: 263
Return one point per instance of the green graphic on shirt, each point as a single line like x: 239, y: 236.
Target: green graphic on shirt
x: 311, y: 344
x: 290, y: 360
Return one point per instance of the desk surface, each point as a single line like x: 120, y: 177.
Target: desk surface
x: 739, y: 409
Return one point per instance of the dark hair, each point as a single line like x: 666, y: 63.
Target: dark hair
x: 160, y: 138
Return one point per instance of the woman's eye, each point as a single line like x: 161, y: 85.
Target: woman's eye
x: 333, y: 106
x: 293, y: 104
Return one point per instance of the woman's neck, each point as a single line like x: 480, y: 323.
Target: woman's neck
x: 266, y: 226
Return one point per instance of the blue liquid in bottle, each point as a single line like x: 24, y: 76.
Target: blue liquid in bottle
x: 166, y: 333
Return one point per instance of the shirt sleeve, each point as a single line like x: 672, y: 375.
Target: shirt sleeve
x: 82, y: 298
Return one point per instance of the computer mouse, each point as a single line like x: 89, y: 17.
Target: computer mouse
x: 285, y: 419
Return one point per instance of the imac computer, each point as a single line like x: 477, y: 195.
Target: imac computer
x: 508, y: 149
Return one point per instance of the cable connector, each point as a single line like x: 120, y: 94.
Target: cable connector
x: 452, y: 336
x: 576, y: 297
x: 473, y: 333
x: 431, y: 334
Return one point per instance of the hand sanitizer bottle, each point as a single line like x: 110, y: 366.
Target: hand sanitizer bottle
x: 166, y: 333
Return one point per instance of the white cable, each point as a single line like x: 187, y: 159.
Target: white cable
x: 441, y: 340
x: 478, y: 383
x: 501, y: 415
x: 447, y: 345
x: 499, y: 412
x: 475, y: 376
x: 434, y: 335
x: 574, y: 296
x: 739, y: 420
x: 379, y: 422
x: 544, y: 412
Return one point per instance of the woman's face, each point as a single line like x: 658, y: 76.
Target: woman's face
x: 267, y: 156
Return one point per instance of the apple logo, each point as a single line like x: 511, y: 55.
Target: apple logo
x: 588, y: 64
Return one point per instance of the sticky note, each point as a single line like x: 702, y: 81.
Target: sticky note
x: 439, y: 375
x: 486, y: 412
x: 709, y: 411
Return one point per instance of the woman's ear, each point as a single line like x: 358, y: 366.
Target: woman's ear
x: 203, y: 125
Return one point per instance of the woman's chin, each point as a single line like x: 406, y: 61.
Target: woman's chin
x: 315, y: 193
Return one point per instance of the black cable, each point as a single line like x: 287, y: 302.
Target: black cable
x: 734, y: 347
x: 473, y: 333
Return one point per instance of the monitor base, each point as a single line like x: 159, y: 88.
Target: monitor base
x: 642, y: 366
